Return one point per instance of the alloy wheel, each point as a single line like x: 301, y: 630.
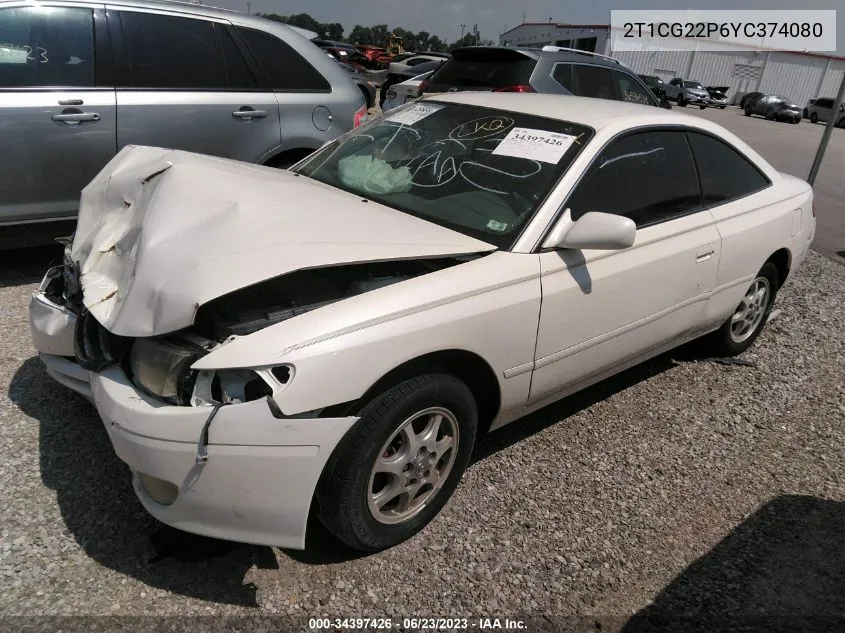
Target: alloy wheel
x: 748, y: 315
x: 413, y: 465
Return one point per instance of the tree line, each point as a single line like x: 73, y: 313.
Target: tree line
x: 378, y: 35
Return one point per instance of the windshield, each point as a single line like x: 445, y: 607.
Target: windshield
x: 479, y: 171
x: 693, y: 84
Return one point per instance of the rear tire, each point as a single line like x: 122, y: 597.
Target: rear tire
x: 701, y: 107
x: 743, y: 327
x: 395, y: 446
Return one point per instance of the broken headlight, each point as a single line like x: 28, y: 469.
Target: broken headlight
x: 163, y: 369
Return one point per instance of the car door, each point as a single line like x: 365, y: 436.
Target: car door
x: 57, y: 115
x: 189, y: 86
x: 604, y: 309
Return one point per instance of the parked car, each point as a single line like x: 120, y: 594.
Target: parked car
x: 684, y: 91
x: 407, y: 73
x: 748, y: 97
x: 345, y: 53
x: 409, y: 64
x: 822, y: 109
x: 223, y: 95
x: 552, y: 69
x: 376, y: 54
x: 403, y: 92
x: 774, y: 108
x: 655, y: 84
x: 718, y: 96
x: 363, y: 81
x: 338, y: 336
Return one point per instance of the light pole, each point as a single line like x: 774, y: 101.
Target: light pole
x: 817, y: 161
x: 249, y: 8
x: 463, y: 26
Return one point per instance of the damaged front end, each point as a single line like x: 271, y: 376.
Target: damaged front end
x: 161, y: 366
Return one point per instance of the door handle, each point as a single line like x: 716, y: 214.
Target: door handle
x: 244, y: 113
x: 704, y: 253
x: 76, y: 117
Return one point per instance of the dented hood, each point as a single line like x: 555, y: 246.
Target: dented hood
x: 162, y: 232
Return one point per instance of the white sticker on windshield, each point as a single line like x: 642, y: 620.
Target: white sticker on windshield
x: 414, y: 113
x: 523, y: 142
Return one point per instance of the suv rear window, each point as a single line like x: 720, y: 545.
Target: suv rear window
x: 483, y: 68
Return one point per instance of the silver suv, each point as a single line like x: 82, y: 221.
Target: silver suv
x: 79, y: 81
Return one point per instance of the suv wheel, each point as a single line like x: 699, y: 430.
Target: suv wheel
x: 748, y: 110
x: 814, y: 118
x: 681, y: 101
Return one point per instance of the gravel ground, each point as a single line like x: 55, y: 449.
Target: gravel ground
x: 690, y: 488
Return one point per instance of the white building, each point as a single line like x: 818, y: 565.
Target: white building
x: 797, y: 76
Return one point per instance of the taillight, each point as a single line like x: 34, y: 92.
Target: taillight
x: 514, y: 88
x: 424, y: 85
x: 359, y: 116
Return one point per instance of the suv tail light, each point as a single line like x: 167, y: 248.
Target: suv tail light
x: 424, y: 85
x: 514, y: 88
x: 359, y: 115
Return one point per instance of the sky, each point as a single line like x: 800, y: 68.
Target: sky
x: 443, y: 18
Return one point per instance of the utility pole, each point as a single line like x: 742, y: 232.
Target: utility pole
x: 463, y: 26
x: 817, y: 161
x: 249, y: 8
x: 523, y: 18
x: 475, y: 30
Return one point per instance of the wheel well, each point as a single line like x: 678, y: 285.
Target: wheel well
x: 285, y: 159
x: 782, y: 260
x: 470, y: 368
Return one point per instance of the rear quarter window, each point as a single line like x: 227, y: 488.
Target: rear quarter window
x: 285, y: 69
x: 724, y: 173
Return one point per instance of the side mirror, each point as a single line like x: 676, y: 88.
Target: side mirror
x: 664, y: 103
x: 593, y: 230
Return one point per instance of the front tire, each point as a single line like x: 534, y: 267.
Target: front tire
x: 681, y: 102
x: 740, y: 331
x: 398, y: 465
x: 814, y: 118
x: 747, y: 110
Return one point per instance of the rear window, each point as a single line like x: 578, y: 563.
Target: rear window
x: 483, y: 69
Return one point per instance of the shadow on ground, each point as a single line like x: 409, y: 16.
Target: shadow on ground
x: 783, y: 569
x: 95, y: 497
x: 27, y: 265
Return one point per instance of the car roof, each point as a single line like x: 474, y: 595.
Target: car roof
x: 570, y: 55
x: 595, y: 113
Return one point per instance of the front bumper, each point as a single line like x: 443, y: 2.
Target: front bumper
x: 259, y: 479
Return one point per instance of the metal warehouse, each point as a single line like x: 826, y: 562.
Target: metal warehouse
x: 798, y: 76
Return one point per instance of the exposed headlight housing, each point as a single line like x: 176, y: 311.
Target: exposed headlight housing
x: 163, y: 368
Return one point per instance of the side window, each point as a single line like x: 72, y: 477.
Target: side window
x: 164, y: 51
x: 584, y: 80
x: 593, y: 81
x: 238, y: 74
x: 284, y: 68
x: 415, y: 61
x: 46, y: 48
x: 725, y: 174
x: 630, y: 90
x: 646, y: 176
x: 562, y: 74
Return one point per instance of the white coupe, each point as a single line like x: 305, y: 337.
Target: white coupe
x: 342, y: 333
